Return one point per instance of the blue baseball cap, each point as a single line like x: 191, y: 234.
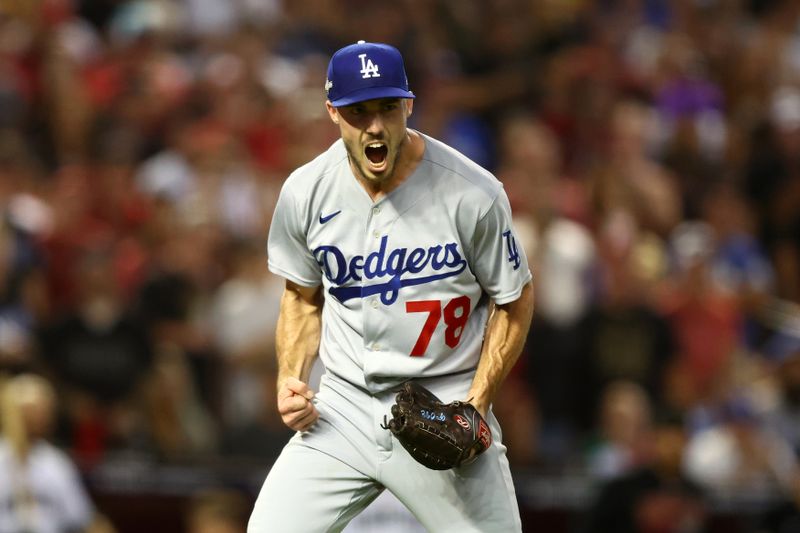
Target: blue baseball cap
x: 365, y: 71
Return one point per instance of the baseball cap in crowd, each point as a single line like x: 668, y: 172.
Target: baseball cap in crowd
x: 365, y: 71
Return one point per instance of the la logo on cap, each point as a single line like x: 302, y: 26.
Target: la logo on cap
x: 368, y: 68
x: 366, y: 71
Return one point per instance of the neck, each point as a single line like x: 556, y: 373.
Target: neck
x: 410, y: 156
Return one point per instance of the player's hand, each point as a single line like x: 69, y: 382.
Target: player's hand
x: 294, y: 405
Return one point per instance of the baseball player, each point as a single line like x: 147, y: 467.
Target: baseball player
x: 401, y: 264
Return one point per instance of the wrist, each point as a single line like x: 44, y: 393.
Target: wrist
x: 479, y: 403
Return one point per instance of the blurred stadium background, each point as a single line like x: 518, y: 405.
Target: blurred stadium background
x: 651, y: 151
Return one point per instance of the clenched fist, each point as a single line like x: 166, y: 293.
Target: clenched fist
x: 294, y: 405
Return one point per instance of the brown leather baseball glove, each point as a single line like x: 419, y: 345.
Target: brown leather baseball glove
x: 438, y: 435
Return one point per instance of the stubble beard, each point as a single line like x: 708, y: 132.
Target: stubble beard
x: 361, y: 166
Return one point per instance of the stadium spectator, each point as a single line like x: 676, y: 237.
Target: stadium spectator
x: 41, y: 489
x: 706, y: 319
x: 739, y: 453
x: 243, y: 317
x: 99, y: 354
x: 624, y: 429
x: 654, y: 497
x: 624, y: 336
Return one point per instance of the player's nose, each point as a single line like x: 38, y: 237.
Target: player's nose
x: 374, y: 124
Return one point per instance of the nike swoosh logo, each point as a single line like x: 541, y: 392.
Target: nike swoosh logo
x: 323, y: 219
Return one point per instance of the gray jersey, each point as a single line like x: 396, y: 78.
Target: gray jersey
x: 407, y: 279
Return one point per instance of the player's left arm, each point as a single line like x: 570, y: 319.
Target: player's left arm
x: 505, y: 337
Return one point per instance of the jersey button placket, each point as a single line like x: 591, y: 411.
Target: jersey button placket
x: 373, y: 303
x: 376, y: 210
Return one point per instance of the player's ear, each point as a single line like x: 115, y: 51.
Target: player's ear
x: 332, y: 112
x: 409, y: 106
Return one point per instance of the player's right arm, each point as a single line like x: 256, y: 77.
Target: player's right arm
x: 297, y: 342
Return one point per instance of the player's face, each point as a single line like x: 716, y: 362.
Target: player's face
x: 373, y: 132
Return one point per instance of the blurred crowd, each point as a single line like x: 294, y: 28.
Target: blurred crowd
x: 650, y: 149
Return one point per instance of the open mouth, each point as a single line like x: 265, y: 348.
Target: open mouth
x: 376, y: 153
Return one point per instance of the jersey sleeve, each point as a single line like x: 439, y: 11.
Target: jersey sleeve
x: 497, y: 258
x: 287, y: 248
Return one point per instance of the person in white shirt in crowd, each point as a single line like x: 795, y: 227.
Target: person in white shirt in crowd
x: 40, y: 488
